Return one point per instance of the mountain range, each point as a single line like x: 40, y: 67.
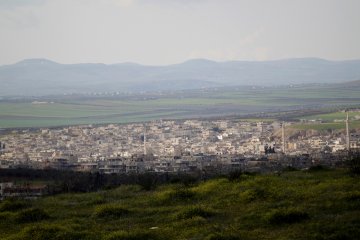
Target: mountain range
x: 38, y: 77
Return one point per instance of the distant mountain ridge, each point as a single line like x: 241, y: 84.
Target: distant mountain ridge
x: 36, y: 77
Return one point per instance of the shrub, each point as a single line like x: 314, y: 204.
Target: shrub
x: 39, y: 232
x: 189, y: 180
x: 97, y: 200
x: 13, y: 205
x: 192, y: 212
x: 136, y: 235
x: 253, y: 194
x: 194, y: 221
x: 147, y: 181
x: 210, y: 187
x: 110, y: 211
x: 179, y: 194
x: 354, y: 163
x: 5, y: 216
x: 31, y: 215
x: 185, y: 179
x: 286, y: 216
x: 336, y: 231
x: 182, y: 194
x: 317, y: 168
x: 353, y: 196
x: 290, y: 169
x: 234, y: 175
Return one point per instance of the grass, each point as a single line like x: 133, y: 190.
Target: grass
x: 287, y: 216
x: 110, y: 211
x: 330, y: 117
x: 321, y: 204
x: 326, y: 126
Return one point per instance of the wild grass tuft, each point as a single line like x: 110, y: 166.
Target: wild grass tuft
x: 192, y: 212
x: 13, y: 205
x: 53, y: 232
x: 286, y: 216
x: 31, y: 215
x: 133, y: 235
x: 110, y: 211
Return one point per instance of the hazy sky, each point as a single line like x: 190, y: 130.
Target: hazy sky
x: 171, y: 31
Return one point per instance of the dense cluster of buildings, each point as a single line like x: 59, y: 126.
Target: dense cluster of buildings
x: 173, y: 146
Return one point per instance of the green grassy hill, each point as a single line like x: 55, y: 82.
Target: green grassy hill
x: 323, y: 204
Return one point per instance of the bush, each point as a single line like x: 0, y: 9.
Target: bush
x: 137, y: 235
x: 176, y: 195
x: 286, y: 217
x: 5, y: 216
x: 182, y: 194
x: 31, y: 215
x: 13, y: 205
x: 192, y: 212
x: 290, y: 169
x: 317, y: 168
x: 186, y: 180
x: 353, y: 196
x: 195, y: 221
x: 234, y: 175
x: 250, y: 195
x: 39, y: 232
x: 110, y: 211
x: 97, y: 200
x: 147, y: 181
x: 354, y: 163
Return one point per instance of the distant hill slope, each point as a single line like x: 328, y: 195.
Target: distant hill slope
x: 45, y: 77
x: 351, y: 84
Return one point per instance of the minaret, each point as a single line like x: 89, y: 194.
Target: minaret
x: 283, y: 137
x: 144, y: 139
x: 347, y: 132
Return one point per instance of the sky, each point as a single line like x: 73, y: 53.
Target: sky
x: 162, y: 32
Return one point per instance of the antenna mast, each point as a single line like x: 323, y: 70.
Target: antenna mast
x: 347, y: 132
x: 144, y: 139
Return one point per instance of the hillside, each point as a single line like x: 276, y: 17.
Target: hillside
x: 317, y: 204
x: 44, y: 77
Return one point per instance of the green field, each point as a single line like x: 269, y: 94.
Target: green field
x: 329, y: 121
x: 309, y: 205
x: 326, y: 126
x: 330, y: 117
x: 73, y: 113
x: 191, y: 104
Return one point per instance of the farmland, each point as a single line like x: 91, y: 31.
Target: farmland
x: 243, y: 102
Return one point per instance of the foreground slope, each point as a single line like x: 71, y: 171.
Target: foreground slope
x: 322, y: 204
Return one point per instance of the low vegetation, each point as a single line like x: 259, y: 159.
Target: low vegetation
x: 31, y: 215
x: 317, y: 204
x: 286, y: 216
x: 111, y: 211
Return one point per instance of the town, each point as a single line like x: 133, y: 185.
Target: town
x: 221, y: 145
